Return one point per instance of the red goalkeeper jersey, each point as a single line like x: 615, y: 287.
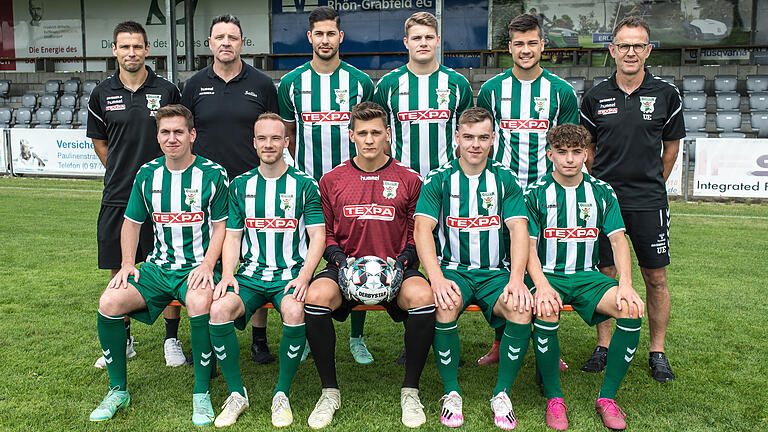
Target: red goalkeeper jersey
x: 370, y: 213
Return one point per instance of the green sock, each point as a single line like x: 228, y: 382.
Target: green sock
x: 499, y: 333
x: 357, y: 323
x: 200, y: 340
x: 547, y: 349
x: 112, y: 338
x: 291, y: 346
x: 447, y: 348
x: 621, y: 351
x: 227, y: 348
x: 514, y: 343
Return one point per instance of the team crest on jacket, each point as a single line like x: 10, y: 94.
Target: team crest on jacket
x: 539, y: 103
x: 443, y: 95
x: 585, y: 210
x: 489, y: 199
x: 342, y: 96
x: 390, y: 189
x: 286, y: 201
x: 647, y: 104
x: 192, y: 196
x: 153, y: 101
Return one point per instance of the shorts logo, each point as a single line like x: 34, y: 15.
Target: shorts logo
x: 192, y: 196
x: 443, y: 96
x: 287, y: 201
x: 342, y: 96
x: 390, y: 189
x: 489, y: 199
x: 577, y: 234
x: 585, y: 210
x: 607, y: 111
x: 525, y: 126
x: 271, y: 224
x: 477, y: 223
x: 330, y: 117
x: 178, y: 219
x: 539, y: 103
x: 153, y: 101
x: 370, y: 211
x: 424, y: 116
x: 120, y: 107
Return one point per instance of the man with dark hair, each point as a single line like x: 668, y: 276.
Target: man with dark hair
x: 525, y: 100
x: 315, y: 101
x: 636, y: 122
x: 122, y: 125
x: 226, y: 98
x: 459, y: 232
x: 368, y: 203
x: 567, y: 209
x: 185, y: 198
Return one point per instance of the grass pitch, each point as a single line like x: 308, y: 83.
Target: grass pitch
x: 49, y: 287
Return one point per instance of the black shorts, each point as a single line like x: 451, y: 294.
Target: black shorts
x: 331, y: 271
x: 649, y: 233
x: 108, y: 235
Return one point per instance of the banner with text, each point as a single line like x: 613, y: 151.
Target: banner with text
x: 675, y: 180
x: 727, y: 167
x: 61, y: 152
x: 3, y: 154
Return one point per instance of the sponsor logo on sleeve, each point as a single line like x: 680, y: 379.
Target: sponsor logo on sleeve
x: 477, y: 223
x: 370, y: 211
x: 178, y: 218
x: 577, y: 234
x: 271, y: 224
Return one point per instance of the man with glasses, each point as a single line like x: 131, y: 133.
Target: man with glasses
x: 636, y: 123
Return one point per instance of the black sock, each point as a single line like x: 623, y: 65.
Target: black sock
x: 419, y: 332
x: 172, y: 328
x: 127, y: 329
x: 259, y: 335
x: 322, y: 340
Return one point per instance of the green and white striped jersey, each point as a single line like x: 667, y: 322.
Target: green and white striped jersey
x: 275, y: 214
x: 566, y: 222
x: 423, y: 113
x: 471, y: 213
x: 320, y: 105
x: 183, y: 206
x: 524, y: 112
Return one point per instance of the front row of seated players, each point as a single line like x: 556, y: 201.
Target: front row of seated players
x: 458, y: 235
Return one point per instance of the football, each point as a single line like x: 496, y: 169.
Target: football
x: 370, y: 280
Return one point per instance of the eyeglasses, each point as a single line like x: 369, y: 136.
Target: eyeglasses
x: 638, y: 47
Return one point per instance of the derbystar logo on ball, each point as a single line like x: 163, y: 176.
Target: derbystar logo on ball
x: 178, y: 219
x: 477, y: 223
x: 330, y: 117
x: 424, y: 116
x: 572, y: 234
x: 272, y: 224
x: 528, y: 125
x: 370, y: 211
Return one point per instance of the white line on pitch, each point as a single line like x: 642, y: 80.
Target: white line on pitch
x: 719, y: 216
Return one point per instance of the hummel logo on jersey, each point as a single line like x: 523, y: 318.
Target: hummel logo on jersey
x: 155, y: 191
x: 549, y: 206
x: 404, y: 93
x: 370, y: 211
x: 180, y: 218
x: 426, y: 116
x: 364, y: 178
x: 577, y: 234
x: 529, y: 125
x: 272, y: 224
x: 338, y: 117
x: 477, y: 223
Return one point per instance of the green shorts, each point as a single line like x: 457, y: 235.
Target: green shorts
x: 256, y: 293
x: 481, y: 287
x: 160, y: 287
x: 582, y: 290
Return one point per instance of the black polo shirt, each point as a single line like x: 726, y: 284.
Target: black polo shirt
x: 126, y: 120
x: 225, y: 113
x: 628, y: 130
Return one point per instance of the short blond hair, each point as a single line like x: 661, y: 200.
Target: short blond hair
x: 421, y: 18
x: 270, y: 116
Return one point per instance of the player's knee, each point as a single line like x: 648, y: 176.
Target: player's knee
x: 321, y: 294
x: 222, y: 311
x: 446, y: 315
x: 198, y: 301
x: 292, y: 311
x: 417, y: 296
x: 109, y: 303
x: 519, y: 316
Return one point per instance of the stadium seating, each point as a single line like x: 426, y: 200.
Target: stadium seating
x: 729, y: 101
x: 89, y: 85
x: 695, y: 124
x: 758, y: 101
x: 725, y: 83
x: 695, y: 101
x: 757, y: 83
x: 72, y: 86
x: 5, y: 117
x: 729, y: 124
x: 68, y: 100
x: 82, y: 118
x: 64, y: 118
x: 44, y: 116
x: 693, y: 84
x: 598, y: 79
x: 29, y: 100
x: 5, y: 88
x: 84, y: 99
x: 48, y: 100
x: 578, y: 84
x: 53, y: 86
x: 23, y: 117
x: 759, y: 123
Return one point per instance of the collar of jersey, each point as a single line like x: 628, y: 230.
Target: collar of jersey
x: 354, y: 165
x: 243, y: 72
x: 117, y: 84
x: 647, y: 80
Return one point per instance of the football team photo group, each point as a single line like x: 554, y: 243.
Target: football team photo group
x: 328, y: 197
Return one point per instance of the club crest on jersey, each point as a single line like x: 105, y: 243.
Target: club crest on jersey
x: 585, y: 210
x: 539, y: 103
x: 443, y: 96
x: 489, y: 199
x: 191, y: 196
x: 342, y: 96
x: 153, y: 101
x: 390, y: 189
x: 647, y: 104
x: 287, y: 201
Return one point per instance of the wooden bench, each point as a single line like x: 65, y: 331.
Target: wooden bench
x: 472, y: 307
